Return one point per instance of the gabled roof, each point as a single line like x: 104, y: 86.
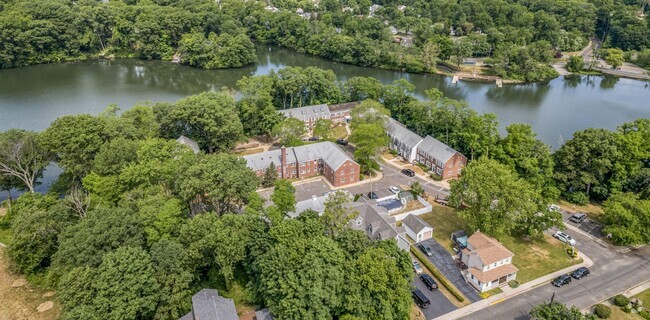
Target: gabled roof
x: 399, y: 132
x: 415, y: 223
x: 331, y: 154
x: 207, y: 304
x: 493, y: 274
x: 263, y: 160
x: 342, y: 106
x: 315, y: 203
x: 190, y: 143
x: 488, y: 249
x: 304, y: 113
x: 374, y: 221
x: 436, y: 149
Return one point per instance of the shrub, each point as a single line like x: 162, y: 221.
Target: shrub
x: 578, y: 198
x: 602, y: 311
x: 644, y: 314
x: 393, y: 152
x: 435, y: 177
x: 621, y: 301
x: 513, y: 283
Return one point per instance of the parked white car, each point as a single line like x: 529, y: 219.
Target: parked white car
x: 565, y: 238
x: 417, y: 267
x: 554, y: 207
x: 394, y: 189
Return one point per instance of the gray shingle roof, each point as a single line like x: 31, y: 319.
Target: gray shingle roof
x: 190, y: 143
x: 436, y: 149
x: 332, y: 155
x: 315, y: 203
x: 303, y: 113
x: 374, y: 221
x: 264, y: 314
x: 415, y: 223
x: 207, y: 304
x: 263, y: 160
x: 399, y: 132
x: 342, y: 106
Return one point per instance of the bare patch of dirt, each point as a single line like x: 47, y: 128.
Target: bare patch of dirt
x: 21, y: 302
x: 3, y: 211
x: 535, y: 250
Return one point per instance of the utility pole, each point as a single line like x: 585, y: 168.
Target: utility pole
x: 552, y: 298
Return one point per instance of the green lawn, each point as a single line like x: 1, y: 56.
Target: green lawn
x: 339, y: 132
x: 534, y: 258
x: 645, y: 297
x: 5, y: 236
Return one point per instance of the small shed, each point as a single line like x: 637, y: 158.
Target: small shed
x: 459, y: 238
x: 416, y: 228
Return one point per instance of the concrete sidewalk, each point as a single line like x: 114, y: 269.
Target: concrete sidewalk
x: 627, y: 293
x: 510, y: 292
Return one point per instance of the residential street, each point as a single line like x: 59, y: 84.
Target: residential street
x: 611, y: 273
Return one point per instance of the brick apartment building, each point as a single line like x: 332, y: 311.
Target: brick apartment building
x: 323, y: 158
x: 440, y: 158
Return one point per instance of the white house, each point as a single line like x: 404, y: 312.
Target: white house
x: 489, y: 263
x: 416, y: 228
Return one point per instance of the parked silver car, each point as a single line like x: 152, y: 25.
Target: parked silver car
x: 565, y: 238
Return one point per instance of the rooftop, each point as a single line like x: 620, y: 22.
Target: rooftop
x: 399, y: 132
x: 308, y: 112
x: 488, y: 249
x: 331, y: 154
x: 436, y: 149
x: 415, y: 223
x: 207, y: 304
x: 493, y: 274
x: 190, y: 143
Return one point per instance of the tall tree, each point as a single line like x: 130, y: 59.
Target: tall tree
x: 290, y: 131
x: 323, y: 129
x: 628, y: 219
x: 75, y: 140
x: 209, y: 118
x: 337, y: 214
x: 270, y: 176
x: 498, y: 202
x: 283, y: 197
x: 221, y: 181
x: 174, y: 275
x: 369, y: 140
x: 23, y: 157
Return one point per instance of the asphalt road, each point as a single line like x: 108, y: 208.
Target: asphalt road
x: 439, y: 303
x: 446, y: 264
x: 611, y: 274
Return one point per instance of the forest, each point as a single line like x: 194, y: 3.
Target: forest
x: 520, y: 38
x: 139, y: 216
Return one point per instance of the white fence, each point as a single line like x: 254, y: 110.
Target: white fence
x: 417, y: 212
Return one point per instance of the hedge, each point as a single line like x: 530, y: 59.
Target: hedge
x: 602, y: 311
x: 441, y: 279
x: 621, y: 301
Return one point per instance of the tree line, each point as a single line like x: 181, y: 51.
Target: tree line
x: 519, y: 37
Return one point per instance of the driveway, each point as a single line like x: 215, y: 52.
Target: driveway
x: 444, y: 262
x: 439, y: 303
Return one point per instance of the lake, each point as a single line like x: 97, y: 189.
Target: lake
x: 32, y: 97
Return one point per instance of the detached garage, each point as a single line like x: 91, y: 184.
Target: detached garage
x: 417, y: 228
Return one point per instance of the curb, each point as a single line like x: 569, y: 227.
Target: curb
x: 606, y: 301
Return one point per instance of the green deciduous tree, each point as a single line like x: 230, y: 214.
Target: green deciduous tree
x: 323, y: 129
x: 337, y: 213
x: 555, y: 311
x: 270, y: 176
x: 221, y: 181
x: 209, y: 118
x: 216, y: 51
x: 614, y: 57
x: 628, y: 219
x: 75, y: 140
x: 23, y: 157
x: 174, y: 274
x: 283, y: 196
x: 498, y: 201
x: 290, y: 131
x: 369, y: 140
x: 575, y: 64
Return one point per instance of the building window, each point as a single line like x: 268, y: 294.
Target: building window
x: 293, y: 164
x: 293, y: 171
x: 342, y: 179
x: 494, y: 265
x: 352, y: 170
x: 302, y: 171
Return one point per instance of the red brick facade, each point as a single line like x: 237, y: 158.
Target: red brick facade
x: 449, y: 170
x: 348, y: 173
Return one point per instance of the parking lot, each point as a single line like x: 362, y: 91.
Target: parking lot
x: 589, y: 226
x: 439, y: 303
x: 446, y: 264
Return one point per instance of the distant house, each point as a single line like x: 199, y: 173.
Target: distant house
x: 207, y: 304
x: 303, y: 162
x: 489, y: 263
x: 416, y: 228
x: 190, y: 143
x: 440, y: 158
x: 377, y: 224
x: 403, y: 140
x: 338, y: 113
x: 309, y: 115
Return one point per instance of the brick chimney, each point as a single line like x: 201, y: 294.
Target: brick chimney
x: 283, y: 160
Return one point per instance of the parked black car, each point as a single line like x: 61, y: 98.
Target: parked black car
x: 429, y: 282
x: 561, y: 280
x: 426, y: 250
x: 420, y: 299
x: 342, y: 142
x: 372, y: 195
x: 578, y: 217
x: 580, y: 273
x: 314, y: 139
x: 408, y: 172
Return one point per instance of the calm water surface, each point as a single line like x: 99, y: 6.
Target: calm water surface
x: 32, y: 97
